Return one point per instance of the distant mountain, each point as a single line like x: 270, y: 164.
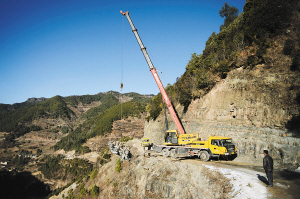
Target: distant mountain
x: 33, y: 114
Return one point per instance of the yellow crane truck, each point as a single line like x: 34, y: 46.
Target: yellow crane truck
x: 186, y: 145
x: 181, y: 144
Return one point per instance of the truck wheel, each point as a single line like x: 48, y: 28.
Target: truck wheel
x: 172, y: 153
x: 165, y: 152
x: 204, y: 156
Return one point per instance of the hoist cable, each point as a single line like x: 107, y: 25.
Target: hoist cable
x: 121, y: 84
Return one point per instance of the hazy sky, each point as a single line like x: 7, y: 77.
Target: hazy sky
x: 78, y: 47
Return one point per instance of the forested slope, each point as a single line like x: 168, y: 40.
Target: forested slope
x: 96, y: 115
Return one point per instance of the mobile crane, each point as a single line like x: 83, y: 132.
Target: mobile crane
x: 178, y: 143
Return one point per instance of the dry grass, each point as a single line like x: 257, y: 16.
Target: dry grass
x: 220, y: 185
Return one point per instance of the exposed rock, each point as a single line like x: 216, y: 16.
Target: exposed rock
x: 159, y: 178
x: 255, y: 108
x: 36, y: 100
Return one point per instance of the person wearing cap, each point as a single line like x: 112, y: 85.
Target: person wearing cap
x: 268, y: 166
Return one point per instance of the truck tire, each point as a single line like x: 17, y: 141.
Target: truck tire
x: 204, y: 156
x: 172, y: 153
x: 165, y: 152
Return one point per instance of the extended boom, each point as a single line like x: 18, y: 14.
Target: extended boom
x: 155, y: 75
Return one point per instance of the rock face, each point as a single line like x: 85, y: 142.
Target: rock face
x: 159, y: 178
x: 259, y: 109
x: 36, y: 100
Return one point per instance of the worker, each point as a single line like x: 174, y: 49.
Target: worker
x: 268, y: 166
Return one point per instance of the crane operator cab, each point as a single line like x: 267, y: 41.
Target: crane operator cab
x: 172, y: 138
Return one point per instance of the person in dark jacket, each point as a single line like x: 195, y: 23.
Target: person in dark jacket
x: 268, y: 166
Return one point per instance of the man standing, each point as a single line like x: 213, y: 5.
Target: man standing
x: 268, y: 166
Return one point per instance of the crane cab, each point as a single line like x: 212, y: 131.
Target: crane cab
x: 172, y: 138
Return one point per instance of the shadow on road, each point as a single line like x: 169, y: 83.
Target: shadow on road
x: 263, y: 179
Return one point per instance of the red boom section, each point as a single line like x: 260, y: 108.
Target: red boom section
x: 167, y: 101
x: 155, y: 75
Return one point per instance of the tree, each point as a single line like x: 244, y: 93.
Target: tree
x: 95, y: 190
x: 230, y: 13
x: 261, y: 17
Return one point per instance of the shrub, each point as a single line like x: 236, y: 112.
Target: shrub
x: 106, y: 156
x: 94, y: 174
x: 251, y: 61
x: 185, y: 98
x: 64, y: 129
x: 118, y: 167
x: 115, y: 184
x: 125, y: 139
x: 202, y: 79
x: 296, y: 62
x: 102, y: 161
x: 155, y: 107
x: 222, y: 67
x: 82, y: 191
x: 39, y: 151
x: 95, y: 190
x: 289, y: 47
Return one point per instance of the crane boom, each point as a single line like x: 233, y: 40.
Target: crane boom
x: 155, y: 75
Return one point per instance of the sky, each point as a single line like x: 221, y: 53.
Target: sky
x: 79, y: 47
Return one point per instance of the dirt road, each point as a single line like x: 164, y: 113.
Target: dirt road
x: 286, y: 183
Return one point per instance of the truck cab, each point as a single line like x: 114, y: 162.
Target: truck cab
x: 221, y: 145
x: 214, y: 147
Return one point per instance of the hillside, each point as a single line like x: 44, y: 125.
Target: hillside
x: 37, y: 135
x: 251, y: 91
x: 244, y: 85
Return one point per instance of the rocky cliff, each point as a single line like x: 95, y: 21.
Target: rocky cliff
x: 257, y: 107
x: 159, y: 177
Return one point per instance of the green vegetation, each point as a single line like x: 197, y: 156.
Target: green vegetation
x: 118, y: 167
x: 115, y: 184
x: 265, y: 17
x: 95, y: 190
x: 155, y: 107
x: 20, y: 161
x: 260, y: 22
x: 104, y: 157
x: 55, y: 167
x: 64, y: 129
x: 12, y: 120
x: 125, y: 139
x: 84, y: 99
x: 230, y: 13
x: 39, y: 151
x: 82, y: 191
x: 94, y: 173
x: 98, y: 122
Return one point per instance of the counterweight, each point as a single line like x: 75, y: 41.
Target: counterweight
x: 155, y: 75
